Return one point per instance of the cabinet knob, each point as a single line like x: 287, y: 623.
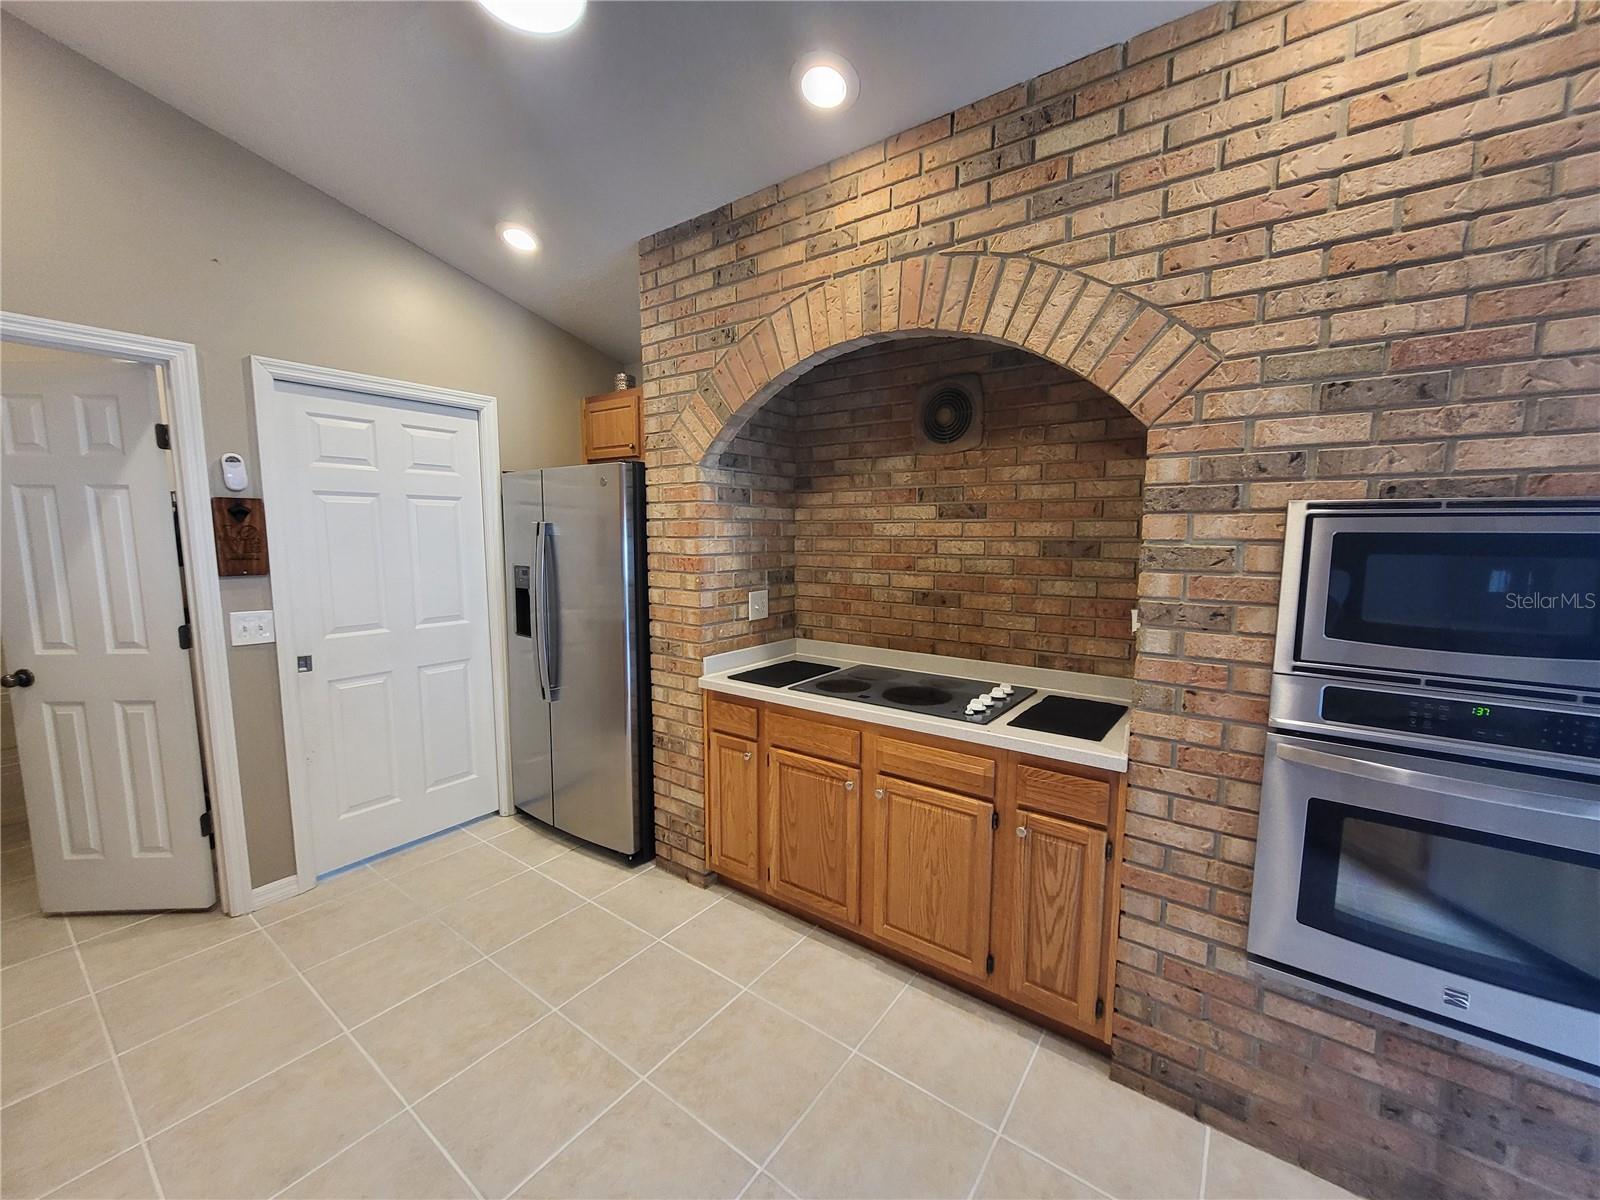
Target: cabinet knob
x: 747, y: 756
x: 878, y: 795
x: 1022, y: 831
x: 849, y: 785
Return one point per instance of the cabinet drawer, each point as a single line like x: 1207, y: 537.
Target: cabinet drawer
x: 732, y: 718
x: 1079, y: 797
x: 937, y: 767
x: 813, y: 737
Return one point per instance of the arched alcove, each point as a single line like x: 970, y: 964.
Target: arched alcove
x: 1021, y: 548
x: 715, y: 515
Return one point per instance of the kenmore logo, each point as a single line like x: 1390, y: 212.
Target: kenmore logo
x: 1456, y: 998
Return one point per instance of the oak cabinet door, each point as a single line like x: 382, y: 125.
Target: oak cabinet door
x: 1056, y: 918
x: 611, y: 426
x: 814, y: 834
x: 735, y: 808
x: 932, y: 853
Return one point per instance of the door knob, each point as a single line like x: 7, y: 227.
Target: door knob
x: 849, y: 785
x: 1022, y: 831
x: 747, y: 756
x: 878, y: 795
x: 22, y: 677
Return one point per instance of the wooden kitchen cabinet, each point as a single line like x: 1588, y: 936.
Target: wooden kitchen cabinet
x: 910, y: 844
x: 931, y: 855
x: 733, y: 809
x: 1054, y: 917
x: 814, y: 834
x: 613, y: 426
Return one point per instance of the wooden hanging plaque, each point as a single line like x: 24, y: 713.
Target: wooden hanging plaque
x: 240, y: 525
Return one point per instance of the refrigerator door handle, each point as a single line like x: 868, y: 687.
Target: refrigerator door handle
x: 539, y: 640
x: 543, y: 539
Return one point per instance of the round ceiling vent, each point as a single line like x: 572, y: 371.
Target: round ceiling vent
x: 950, y: 415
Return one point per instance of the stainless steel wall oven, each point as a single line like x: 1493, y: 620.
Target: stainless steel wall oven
x: 1430, y: 812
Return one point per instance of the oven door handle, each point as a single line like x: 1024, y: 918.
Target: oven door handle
x: 1461, y: 779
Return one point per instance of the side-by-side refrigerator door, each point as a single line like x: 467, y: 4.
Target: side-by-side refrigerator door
x: 593, y: 671
x: 527, y: 576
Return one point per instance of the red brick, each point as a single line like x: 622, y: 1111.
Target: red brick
x: 1475, y: 346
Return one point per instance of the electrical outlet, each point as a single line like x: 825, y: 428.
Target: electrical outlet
x: 251, y: 628
x: 758, y: 604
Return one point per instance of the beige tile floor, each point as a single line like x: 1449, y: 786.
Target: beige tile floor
x: 497, y: 1013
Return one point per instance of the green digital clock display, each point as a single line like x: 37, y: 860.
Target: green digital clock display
x: 1480, y: 710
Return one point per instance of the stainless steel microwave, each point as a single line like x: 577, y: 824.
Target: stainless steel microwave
x: 1503, y: 591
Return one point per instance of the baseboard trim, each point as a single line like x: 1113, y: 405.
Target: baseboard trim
x: 271, y: 893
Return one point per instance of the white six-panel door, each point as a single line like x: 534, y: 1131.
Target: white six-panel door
x: 376, y: 514
x: 93, y: 601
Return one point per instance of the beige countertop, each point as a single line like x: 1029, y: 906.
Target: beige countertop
x: 1110, y: 753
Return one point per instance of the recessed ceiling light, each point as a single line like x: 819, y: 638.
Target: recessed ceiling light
x: 826, y: 81
x: 519, y: 237
x: 536, y: 16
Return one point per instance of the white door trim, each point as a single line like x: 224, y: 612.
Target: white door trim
x: 264, y: 374
x: 210, y: 659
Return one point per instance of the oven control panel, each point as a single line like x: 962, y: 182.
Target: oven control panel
x: 1489, y: 723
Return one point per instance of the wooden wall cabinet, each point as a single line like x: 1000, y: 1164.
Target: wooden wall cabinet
x: 993, y: 870
x: 613, y: 426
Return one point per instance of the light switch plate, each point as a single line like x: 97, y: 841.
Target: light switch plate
x: 758, y: 604
x: 252, y: 628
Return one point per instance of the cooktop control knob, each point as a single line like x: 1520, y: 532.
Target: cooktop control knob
x: 1005, y: 689
x: 974, y: 708
x: 997, y: 694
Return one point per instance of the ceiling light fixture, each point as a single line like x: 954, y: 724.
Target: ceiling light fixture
x: 536, y: 16
x: 518, y: 237
x: 826, y: 81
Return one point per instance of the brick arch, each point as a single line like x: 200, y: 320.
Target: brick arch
x: 1138, y: 354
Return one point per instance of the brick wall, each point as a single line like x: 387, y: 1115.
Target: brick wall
x: 1022, y: 551
x: 1322, y: 249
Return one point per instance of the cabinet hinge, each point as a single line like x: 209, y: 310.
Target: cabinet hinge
x: 1108, y: 851
x: 205, y: 827
x: 994, y: 820
x: 1099, y: 1007
x: 988, y: 965
x: 163, y: 435
x: 185, y: 638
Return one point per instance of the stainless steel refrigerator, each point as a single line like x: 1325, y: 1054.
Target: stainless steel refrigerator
x: 579, y: 674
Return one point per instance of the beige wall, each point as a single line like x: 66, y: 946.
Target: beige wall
x: 116, y: 210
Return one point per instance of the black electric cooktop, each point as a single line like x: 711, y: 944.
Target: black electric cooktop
x: 782, y: 674
x: 945, y: 696
x: 954, y: 699
x: 1070, y: 716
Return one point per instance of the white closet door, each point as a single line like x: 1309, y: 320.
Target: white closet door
x: 381, y: 531
x: 93, y: 600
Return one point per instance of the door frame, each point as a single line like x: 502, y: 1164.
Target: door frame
x: 265, y: 374
x: 208, y: 661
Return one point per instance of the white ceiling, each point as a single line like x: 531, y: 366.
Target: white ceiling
x: 437, y: 122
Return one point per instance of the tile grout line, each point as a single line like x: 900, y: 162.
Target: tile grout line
x: 389, y: 1083
x: 89, y: 986
x: 116, y: 1067
x: 766, y: 1163
x: 642, y: 1078
x: 1006, y: 1115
